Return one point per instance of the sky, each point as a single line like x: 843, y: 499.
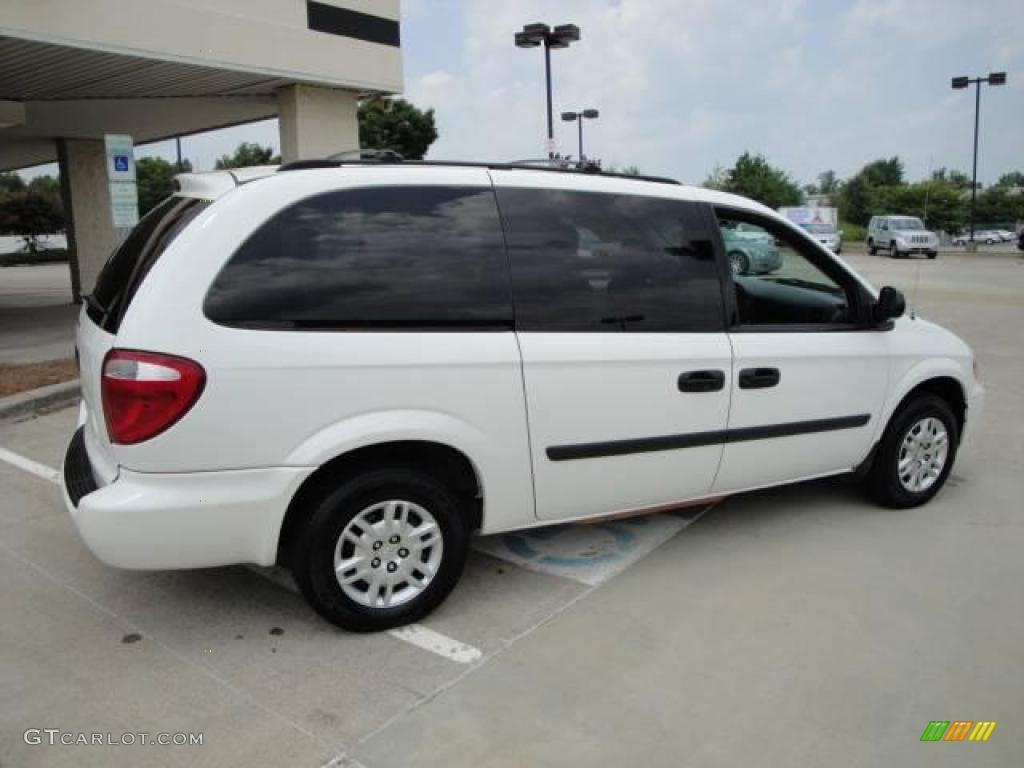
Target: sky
x: 684, y: 86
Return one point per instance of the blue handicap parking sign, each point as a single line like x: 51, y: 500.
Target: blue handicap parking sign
x: 121, y: 163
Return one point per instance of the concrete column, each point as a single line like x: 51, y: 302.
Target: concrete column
x: 316, y: 122
x: 91, y: 233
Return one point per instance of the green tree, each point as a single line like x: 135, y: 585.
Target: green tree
x: 1011, y: 179
x: 939, y: 203
x: 386, y: 123
x: 957, y: 178
x: 247, y: 154
x: 10, y: 182
x: 828, y: 183
x: 155, y: 179
x: 717, y: 179
x: 999, y: 205
x: 883, y: 173
x: 30, y: 213
x: 855, y: 201
x: 754, y: 177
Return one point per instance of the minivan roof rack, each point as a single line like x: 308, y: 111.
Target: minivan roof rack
x: 390, y: 157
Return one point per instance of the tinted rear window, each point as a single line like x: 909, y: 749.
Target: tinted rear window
x: 131, y: 261
x: 377, y: 257
x: 583, y: 261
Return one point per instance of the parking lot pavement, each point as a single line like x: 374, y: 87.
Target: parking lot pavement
x: 794, y: 626
x: 37, y: 318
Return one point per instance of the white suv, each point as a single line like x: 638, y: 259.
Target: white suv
x: 901, y: 236
x: 350, y: 368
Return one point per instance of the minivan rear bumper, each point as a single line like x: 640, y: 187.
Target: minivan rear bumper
x: 157, y: 521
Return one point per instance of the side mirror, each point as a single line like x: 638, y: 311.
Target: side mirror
x: 890, y: 305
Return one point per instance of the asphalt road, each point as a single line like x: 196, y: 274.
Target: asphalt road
x: 797, y: 626
x: 37, y: 318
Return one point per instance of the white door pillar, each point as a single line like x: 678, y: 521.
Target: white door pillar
x: 90, y: 226
x: 316, y: 122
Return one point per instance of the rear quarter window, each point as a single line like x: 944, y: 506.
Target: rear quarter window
x: 131, y: 261
x: 371, y: 258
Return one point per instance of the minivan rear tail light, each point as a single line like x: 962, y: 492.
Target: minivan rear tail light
x: 144, y: 393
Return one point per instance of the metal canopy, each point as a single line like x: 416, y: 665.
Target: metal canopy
x: 34, y: 71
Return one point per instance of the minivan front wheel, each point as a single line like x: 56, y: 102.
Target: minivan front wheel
x: 916, y: 453
x: 383, y: 549
x: 894, y: 252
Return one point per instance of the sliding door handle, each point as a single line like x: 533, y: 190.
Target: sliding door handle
x: 759, y: 378
x: 701, y: 381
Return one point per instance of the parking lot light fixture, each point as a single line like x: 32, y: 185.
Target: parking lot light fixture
x: 579, y: 117
x: 959, y: 83
x: 562, y: 36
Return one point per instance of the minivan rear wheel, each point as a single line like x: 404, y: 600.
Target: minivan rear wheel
x: 383, y: 549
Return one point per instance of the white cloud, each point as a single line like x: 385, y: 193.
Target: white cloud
x: 683, y: 84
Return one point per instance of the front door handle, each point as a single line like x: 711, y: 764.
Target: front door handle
x: 759, y: 378
x: 701, y: 381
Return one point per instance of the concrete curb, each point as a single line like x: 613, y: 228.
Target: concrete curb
x: 44, y: 398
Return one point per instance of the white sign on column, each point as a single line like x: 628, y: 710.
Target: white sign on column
x: 124, y: 195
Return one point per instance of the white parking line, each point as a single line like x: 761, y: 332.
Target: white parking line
x: 414, y: 634
x: 435, y: 642
x: 37, y: 469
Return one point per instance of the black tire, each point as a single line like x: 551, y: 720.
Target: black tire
x: 894, y: 252
x: 312, y: 558
x: 932, y: 254
x: 871, y: 247
x: 739, y: 263
x: 883, y: 482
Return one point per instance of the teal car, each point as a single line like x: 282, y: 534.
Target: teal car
x: 751, y: 250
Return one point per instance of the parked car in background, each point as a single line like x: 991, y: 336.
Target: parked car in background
x: 750, y: 251
x: 818, y: 221
x: 1006, y: 235
x: 986, y: 236
x: 901, y: 236
x: 827, y: 235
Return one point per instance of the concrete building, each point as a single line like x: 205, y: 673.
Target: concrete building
x: 72, y: 71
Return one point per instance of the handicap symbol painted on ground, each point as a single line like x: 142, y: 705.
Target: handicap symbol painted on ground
x: 569, y: 546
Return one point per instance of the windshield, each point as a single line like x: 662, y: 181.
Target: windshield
x: 907, y: 223
x: 820, y: 229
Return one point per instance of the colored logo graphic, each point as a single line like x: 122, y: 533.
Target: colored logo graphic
x: 958, y: 730
x: 121, y: 163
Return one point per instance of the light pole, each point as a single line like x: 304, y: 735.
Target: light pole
x: 994, y: 78
x: 588, y: 114
x: 561, y: 36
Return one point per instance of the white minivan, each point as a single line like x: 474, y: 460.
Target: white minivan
x: 349, y: 368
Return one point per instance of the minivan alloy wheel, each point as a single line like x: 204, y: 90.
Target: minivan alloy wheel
x: 388, y: 554
x: 923, y: 454
x: 738, y: 263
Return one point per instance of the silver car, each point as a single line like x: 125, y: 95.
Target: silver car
x: 827, y: 235
x: 901, y: 236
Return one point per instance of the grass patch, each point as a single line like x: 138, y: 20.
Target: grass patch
x: 22, y: 377
x: 853, y: 233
